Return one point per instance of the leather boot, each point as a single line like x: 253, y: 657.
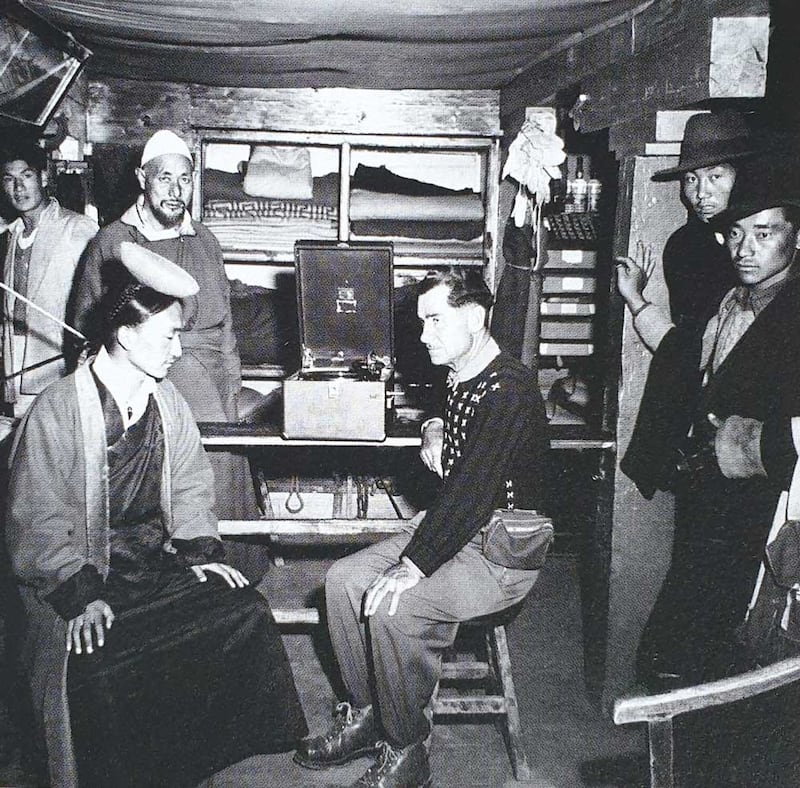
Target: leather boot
x: 351, y: 736
x: 397, y: 768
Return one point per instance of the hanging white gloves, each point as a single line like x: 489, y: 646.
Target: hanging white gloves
x: 533, y: 159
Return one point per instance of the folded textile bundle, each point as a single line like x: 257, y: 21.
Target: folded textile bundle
x: 381, y: 179
x: 269, y: 209
x: 408, y: 228
x: 274, y: 236
x: 378, y: 193
x: 279, y: 172
x: 388, y: 205
x: 227, y: 186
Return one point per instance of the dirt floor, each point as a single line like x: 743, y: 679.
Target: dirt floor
x: 569, y: 743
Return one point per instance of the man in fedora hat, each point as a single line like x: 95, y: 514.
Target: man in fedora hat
x: 698, y: 273
x: 696, y: 266
x: 746, y: 365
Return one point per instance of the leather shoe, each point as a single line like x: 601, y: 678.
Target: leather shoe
x: 405, y: 767
x: 352, y: 735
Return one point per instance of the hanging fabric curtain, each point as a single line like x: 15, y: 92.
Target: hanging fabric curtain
x: 533, y: 160
x: 513, y: 290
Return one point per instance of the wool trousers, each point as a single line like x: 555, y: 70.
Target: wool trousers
x: 394, y: 662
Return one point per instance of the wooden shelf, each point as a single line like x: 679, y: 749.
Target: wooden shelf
x: 402, y: 259
x: 409, y: 253
x: 264, y: 372
x: 404, y: 433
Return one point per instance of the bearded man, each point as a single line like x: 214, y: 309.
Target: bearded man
x: 208, y: 374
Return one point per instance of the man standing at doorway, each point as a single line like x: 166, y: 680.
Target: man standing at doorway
x: 747, y: 365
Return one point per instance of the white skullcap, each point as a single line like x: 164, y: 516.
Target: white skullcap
x: 157, y: 272
x: 164, y: 141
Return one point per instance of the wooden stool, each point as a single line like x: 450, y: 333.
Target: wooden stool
x: 498, y: 698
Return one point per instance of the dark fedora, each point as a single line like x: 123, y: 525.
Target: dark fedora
x: 710, y: 138
x: 769, y: 180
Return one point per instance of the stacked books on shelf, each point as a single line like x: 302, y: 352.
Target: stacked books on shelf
x: 567, y: 307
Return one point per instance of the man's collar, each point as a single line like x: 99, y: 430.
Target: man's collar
x: 126, y: 387
x: 18, y: 225
x: 133, y: 216
x: 475, y: 365
x: 758, y: 298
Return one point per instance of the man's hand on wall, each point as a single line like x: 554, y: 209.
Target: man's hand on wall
x: 633, y: 275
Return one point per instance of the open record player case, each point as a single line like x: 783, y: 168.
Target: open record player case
x: 345, y: 298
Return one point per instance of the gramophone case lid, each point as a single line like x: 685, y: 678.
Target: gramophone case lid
x: 345, y: 295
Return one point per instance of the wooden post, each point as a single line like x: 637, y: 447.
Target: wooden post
x: 344, y: 192
x: 641, y: 540
x: 662, y: 753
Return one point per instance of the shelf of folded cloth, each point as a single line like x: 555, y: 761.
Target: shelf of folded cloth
x: 263, y: 226
x: 421, y: 219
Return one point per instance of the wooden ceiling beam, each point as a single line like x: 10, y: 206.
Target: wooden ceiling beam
x: 729, y: 60
x: 128, y: 111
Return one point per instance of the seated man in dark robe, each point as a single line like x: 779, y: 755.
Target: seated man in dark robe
x: 151, y: 661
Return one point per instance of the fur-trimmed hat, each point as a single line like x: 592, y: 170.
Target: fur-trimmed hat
x: 157, y: 272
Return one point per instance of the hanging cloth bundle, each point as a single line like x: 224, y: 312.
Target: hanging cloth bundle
x: 533, y: 160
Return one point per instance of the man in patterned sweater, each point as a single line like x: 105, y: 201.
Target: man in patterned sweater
x: 407, y: 594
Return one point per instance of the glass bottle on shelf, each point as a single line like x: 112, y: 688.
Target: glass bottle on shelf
x: 579, y: 188
x: 594, y: 190
x: 558, y: 194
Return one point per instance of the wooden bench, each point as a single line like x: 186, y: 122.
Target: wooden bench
x: 658, y: 711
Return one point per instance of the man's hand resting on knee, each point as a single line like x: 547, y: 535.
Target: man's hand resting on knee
x: 233, y: 577
x: 395, y: 580
x: 96, y: 618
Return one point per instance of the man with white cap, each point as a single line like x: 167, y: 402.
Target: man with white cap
x: 209, y: 372
x: 151, y: 660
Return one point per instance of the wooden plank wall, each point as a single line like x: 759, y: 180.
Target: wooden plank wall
x: 665, y: 55
x: 129, y: 111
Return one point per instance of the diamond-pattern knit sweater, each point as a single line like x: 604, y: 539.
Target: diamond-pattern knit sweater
x: 494, y: 431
